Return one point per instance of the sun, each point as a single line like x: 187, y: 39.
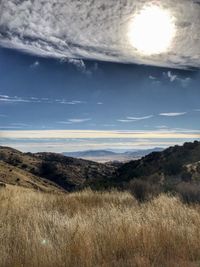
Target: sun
x: 152, y: 30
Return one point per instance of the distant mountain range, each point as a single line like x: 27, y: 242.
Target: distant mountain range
x: 109, y: 156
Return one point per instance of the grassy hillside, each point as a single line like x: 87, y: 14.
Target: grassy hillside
x: 69, y: 173
x: 174, y: 170
x: 96, y: 229
x: 16, y: 176
x: 171, y: 162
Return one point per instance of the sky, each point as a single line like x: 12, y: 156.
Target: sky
x: 98, y: 30
x: 82, y: 87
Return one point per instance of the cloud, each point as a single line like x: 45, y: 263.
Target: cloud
x: 135, y: 119
x: 173, y: 114
x: 7, y: 127
x: 70, y: 121
x: 91, y: 134
x: 94, y: 29
x: 175, y: 78
x: 35, y: 65
x: 140, y: 118
x: 124, y: 120
x: 152, y: 78
x: 161, y: 127
x: 171, y: 76
x: 13, y: 99
x: 44, y: 100
x: 81, y: 145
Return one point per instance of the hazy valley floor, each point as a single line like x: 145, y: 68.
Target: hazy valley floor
x: 96, y: 229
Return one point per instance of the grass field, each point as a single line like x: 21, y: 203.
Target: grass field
x: 96, y: 229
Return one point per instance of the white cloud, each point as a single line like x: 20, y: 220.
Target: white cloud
x: 44, y: 100
x: 70, y: 121
x: 121, y: 120
x: 175, y: 78
x: 161, y: 127
x: 173, y: 114
x: 35, y: 65
x: 135, y: 119
x: 95, y: 134
x: 93, y: 29
x: 13, y: 99
x: 140, y: 118
x: 152, y: 78
x: 171, y: 76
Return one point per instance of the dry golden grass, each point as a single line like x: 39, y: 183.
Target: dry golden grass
x: 90, y: 229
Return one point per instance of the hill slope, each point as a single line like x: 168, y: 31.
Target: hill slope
x: 54, y: 171
x: 172, y: 162
x: 66, y: 172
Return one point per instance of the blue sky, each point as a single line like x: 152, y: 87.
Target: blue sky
x: 47, y: 94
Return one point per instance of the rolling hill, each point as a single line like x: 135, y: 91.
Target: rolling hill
x: 171, y: 162
x: 50, y: 171
x: 64, y: 172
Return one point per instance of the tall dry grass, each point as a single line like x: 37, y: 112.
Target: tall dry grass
x: 96, y: 229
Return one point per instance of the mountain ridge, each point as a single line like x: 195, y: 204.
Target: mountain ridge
x: 109, y: 155
x: 167, y: 168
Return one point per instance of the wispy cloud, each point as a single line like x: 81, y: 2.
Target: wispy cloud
x: 140, y: 118
x: 43, y: 100
x: 161, y: 127
x: 124, y: 120
x: 13, y: 99
x: 175, y: 78
x: 73, y: 102
x: 173, y: 114
x: 35, y: 65
x: 130, y: 119
x: 71, y: 121
x: 15, y: 125
x: 171, y: 77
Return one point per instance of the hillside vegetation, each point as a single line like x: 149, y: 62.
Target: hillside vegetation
x: 175, y: 170
x: 67, y: 173
x: 90, y: 229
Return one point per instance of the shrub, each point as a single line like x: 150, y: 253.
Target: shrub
x: 143, y: 190
x: 189, y: 193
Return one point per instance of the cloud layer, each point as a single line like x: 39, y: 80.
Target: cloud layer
x: 93, y: 29
x: 74, y: 140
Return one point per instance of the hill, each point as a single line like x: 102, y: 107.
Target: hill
x: 176, y: 169
x: 171, y: 162
x: 66, y: 172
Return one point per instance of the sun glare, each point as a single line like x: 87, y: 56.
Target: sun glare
x: 152, y: 30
